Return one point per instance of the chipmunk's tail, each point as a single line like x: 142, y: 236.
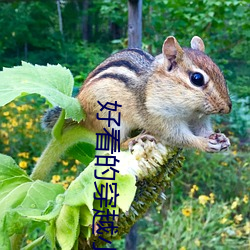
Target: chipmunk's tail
x: 50, y: 117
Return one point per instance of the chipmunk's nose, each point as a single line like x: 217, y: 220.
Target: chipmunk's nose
x: 227, y: 108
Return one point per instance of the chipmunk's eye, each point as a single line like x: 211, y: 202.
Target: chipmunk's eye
x: 197, y: 79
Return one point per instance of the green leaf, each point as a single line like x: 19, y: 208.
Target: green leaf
x: 82, y: 151
x: 39, y: 194
x: 53, y: 82
x: 6, y: 186
x: 9, y: 168
x: 126, y: 189
x: 67, y: 227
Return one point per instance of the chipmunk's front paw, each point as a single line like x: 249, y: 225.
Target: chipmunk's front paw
x: 217, y: 142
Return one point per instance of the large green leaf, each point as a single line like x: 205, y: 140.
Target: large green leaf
x: 20, y: 197
x: 9, y: 168
x: 67, y: 226
x: 53, y: 82
x: 84, y: 152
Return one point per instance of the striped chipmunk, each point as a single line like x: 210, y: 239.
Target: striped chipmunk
x: 169, y: 97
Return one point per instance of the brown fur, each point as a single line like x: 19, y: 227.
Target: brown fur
x: 157, y: 96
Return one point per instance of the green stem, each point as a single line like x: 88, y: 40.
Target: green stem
x: 58, y: 146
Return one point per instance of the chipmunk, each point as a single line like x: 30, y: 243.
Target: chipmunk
x: 170, y: 96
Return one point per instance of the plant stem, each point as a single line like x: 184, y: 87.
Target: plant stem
x: 56, y: 147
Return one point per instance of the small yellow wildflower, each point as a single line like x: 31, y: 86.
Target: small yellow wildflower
x: 55, y: 178
x: 4, y: 134
x: 65, y: 163
x: 223, y: 220
x: 197, y: 242
x: 187, y: 211
x: 12, y: 105
x: 238, y: 218
x: 197, y: 152
x: 29, y: 124
x: 23, y: 164
x: 6, y: 141
x: 193, y: 190
x: 234, y: 152
x: 238, y: 233
x: 77, y: 162
x: 183, y: 248
x: 24, y: 154
x: 70, y: 178
x: 211, y: 195
x: 235, y: 203
x: 224, y: 164
x: 35, y: 159
x: 203, y: 199
x: 245, y: 199
x: 14, y: 123
x: 238, y: 160
x: 223, y: 235
x: 73, y: 168
x: 247, y: 227
x: 6, y: 113
x: 65, y: 185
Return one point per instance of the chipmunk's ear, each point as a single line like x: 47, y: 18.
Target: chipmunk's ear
x: 197, y: 43
x: 171, y: 49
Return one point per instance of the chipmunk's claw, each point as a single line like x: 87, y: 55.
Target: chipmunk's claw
x: 141, y: 139
x: 218, y: 142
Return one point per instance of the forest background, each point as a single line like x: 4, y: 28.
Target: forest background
x: 207, y: 205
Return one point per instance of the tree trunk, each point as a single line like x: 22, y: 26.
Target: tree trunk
x: 131, y: 238
x: 85, y: 21
x: 135, y: 23
x: 59, y: 16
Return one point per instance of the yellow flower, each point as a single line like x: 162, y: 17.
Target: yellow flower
x: 238, y: 218
x: 245, y: 199
x: 65, y: 185
x: 224, y: 164
x: 24, y: 154
x: 187, y: 211
x: 247, y: 227
x: 235, y: 203
x: 211, y: 195
x: 70, y: 178
x: 14, y: 123
x: 23, y: 164
x: 73, y: 168
x: 77, y: 162
x: 4, y: 134
x: 238, y: 233
x: 29, y: 124
x: 223, y: 235
x: 35, y: 159
x: 197, y: 242
x: 55, y: 178
x: 193, y: 190
x: 183, y: 248
x: 65, y: 163
x: 234, y: 152
x: 6, y: 113
x: 223, y: 220
x: 203, y: 199
x: 12, y: 105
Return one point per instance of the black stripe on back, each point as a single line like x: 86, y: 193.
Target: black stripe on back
x: 118, y: 63
x: 142, y: 53
x: 118, y: 77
